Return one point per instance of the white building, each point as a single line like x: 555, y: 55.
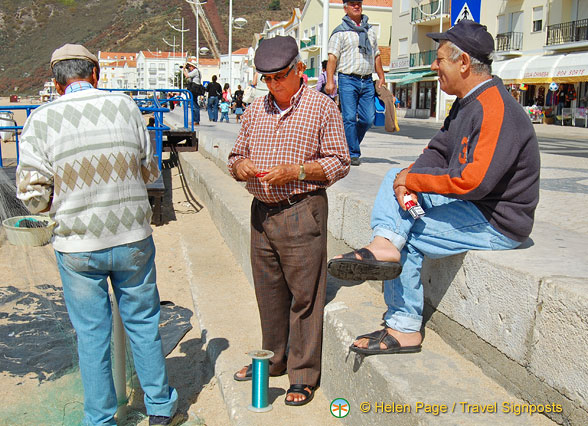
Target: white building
x: 157, y: 70
x: 238, y: 75
x: 118, y: 70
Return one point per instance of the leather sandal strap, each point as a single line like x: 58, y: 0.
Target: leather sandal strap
x: 301, y: 389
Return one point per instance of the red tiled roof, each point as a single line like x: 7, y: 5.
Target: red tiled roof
x: 242, y: 51
x: 161, y: 55
x: 119, y: 55
x: 209, y: 61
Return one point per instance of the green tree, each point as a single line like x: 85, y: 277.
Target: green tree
x: 274, y: 5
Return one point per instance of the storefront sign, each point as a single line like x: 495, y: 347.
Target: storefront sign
x: 400, y: 63
x: 572, y: 72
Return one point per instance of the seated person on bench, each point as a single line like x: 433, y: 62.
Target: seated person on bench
x: 477, y: 181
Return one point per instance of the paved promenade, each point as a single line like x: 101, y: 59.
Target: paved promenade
x: 512, y: 314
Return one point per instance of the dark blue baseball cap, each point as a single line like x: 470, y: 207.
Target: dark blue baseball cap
x: 471, y: 37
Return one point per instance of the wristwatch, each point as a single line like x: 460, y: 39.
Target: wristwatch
x: 301, y: 173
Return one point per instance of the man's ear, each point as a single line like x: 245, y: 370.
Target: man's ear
x: 300, y: 68
x: 60, y: 89
x: 95, y: 76
x: 466, y: 62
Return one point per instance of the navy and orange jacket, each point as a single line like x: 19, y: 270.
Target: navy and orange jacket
x: 487, y: 153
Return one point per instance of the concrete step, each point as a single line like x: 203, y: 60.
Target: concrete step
x: 438, y: 376
x: 512, y: 313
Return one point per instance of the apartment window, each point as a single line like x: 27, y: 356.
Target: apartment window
x: 404, y: 6
x: 377, y: 28
x: 403, y: 47
x: 538, y: 18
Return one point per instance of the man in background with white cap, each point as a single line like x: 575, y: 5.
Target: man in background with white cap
x: 290, y: 147
x: 477, y: 181
x: 353, y: 52
x: 86, y: 158
x: 192, y: 74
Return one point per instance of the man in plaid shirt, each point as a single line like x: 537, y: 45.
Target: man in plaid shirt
x: 291, y: 146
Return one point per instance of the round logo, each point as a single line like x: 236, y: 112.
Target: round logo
x: 339, y: 408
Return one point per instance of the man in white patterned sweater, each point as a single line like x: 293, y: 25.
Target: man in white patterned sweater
x: 86, y: 158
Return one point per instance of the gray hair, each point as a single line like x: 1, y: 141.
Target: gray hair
x: 64, y: 71
x: 478, y: 67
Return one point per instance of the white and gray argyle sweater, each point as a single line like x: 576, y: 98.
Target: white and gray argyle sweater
x: 90, y: 151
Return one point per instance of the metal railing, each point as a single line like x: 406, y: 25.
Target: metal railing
x: 421, y: 59
x: 567, y: 32
x: 426, y: 10
x: 509, y: 41
x: 151, y: 103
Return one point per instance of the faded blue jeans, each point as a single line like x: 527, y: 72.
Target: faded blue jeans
x: 212, y: 108
x: 450, y: 226
x: 358, y: 109
x: 131, y: 269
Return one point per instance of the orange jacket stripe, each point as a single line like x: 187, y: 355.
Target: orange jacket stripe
x: 473, y: 173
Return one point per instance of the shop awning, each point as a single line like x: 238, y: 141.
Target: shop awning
x: 512, y: 70
x: 395, y: 77
x: 543, y: 69
x: 571, y: 68
x: 415, y: 76
x: 540, y: 69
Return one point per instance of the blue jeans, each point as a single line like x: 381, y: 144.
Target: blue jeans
x: 131, y: 269
x: 358, y: 109
x: 224, y: 116
x: 213, y: 108
x: 450, y: 226
x: 196, y: 111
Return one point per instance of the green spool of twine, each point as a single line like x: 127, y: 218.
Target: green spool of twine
x: 260, y: 381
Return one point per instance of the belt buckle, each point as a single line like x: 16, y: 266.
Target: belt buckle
x: 290, y: 202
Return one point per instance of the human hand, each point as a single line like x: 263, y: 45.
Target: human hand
x: 281, y: 174
x: 400, y: 179
x: 330, y: 87
x: 244, y: 169
x: 380, y: 83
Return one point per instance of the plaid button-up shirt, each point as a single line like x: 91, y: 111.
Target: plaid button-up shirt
x: 345, y: 46
x: 311, y: 130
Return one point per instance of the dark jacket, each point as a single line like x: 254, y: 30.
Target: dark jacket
x: 487, y: 153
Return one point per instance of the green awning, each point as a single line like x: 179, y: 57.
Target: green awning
x: 415, y: 76
x: 395, y: 77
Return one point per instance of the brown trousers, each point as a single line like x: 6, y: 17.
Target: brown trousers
x: 289, y: 262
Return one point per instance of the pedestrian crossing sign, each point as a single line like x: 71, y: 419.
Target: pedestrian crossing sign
x: 465, y: 9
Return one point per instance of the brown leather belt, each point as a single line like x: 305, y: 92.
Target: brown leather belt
x: 290, y: 201
x: 363, y: 77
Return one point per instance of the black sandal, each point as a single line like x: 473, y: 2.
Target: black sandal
x: 366, y: 268
x: 382, y: 336
x: 301, y: 389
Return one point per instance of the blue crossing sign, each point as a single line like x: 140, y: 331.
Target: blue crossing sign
x: 465, y: 9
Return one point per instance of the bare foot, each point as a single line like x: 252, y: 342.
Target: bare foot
x: 382, y: 249
x: 405, y: 339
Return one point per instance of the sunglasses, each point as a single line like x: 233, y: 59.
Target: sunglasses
x: 279, y: 78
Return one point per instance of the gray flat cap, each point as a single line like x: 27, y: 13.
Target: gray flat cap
x: 73, y: 51
x: 275, y: 54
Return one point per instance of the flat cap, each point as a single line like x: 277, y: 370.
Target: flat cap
x: 73, y: 51
x: 275, y: 54
x: 470, y: 37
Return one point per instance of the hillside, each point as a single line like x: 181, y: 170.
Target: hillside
x: 31, y: 29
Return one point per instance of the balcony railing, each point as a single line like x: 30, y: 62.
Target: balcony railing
x: 422, y: 58
x: 509, y: 41
x: 426, y: 10
x: 312, y: 42
x: 567, y: 32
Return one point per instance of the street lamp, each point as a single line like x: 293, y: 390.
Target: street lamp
x: 182, y: 30
x: 238, y: 23
x: 196, y: 5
